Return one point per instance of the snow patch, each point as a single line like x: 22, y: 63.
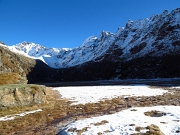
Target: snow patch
x: 12, y: 117
x: 121, y: 123
x: 93, y: 94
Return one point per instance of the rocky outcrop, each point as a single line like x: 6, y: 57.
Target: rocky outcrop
x: 15, y: 95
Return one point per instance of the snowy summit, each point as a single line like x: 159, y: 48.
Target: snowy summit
x: 155, y: 36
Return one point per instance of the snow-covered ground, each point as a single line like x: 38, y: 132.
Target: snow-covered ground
x: 93, y: 94
x: 12, y: 117
x: 121, y: 123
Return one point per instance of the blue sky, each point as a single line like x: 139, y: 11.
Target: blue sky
x: 67, y: 23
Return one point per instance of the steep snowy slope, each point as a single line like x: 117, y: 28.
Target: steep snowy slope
x: 62, y: 58
x: 155, y: 36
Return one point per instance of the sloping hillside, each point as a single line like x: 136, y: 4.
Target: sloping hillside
x: 16, y: 68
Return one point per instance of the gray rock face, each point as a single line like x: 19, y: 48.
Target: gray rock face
x: 21, y: 95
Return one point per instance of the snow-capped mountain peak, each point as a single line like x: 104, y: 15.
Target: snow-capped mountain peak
x: 28, y: 47
x: 105, y: 35
x: 92, y: 40
x: 91, y: 48
x: 155, y: 36
x: 35, y: 50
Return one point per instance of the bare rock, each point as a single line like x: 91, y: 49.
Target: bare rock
x: 21, y: 95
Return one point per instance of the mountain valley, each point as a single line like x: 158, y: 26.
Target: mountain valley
x: 140, y: 63
x: 147, y: 48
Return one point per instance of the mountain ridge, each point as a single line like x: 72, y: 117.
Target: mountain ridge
x: 156, y: 35
x: 147, y: 48
x: 66, y: 57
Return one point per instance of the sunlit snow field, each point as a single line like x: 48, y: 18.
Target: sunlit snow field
x: 93, y: 94
x: 120, y: 122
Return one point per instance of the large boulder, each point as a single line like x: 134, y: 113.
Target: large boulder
x: 15, y: 95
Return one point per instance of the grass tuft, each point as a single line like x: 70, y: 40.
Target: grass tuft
x: 101, y: 123
x: 154, y: 113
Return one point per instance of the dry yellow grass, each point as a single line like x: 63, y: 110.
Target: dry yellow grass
x: 71, y: 129
x: 53, y: 109
x: 138, y: 129
x: 154, y: 113
x: 80, y: 131
x: 34, y: 89
x: 101, y: 123
x: 11, y: 78
x: 48, y: 114
x: 152, y: 130
x: 14, y: 67
x: 57, y: 110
